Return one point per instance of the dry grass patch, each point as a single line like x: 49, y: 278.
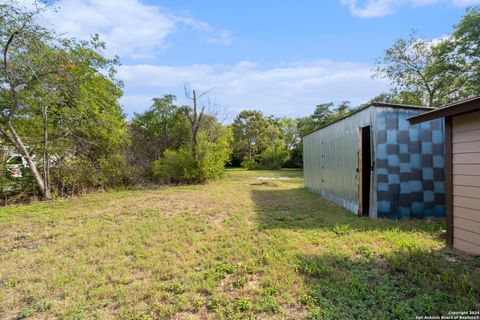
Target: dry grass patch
x: 231, y: 249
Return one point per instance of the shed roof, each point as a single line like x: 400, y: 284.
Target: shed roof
x: 374, y: 104
x: 448, y: 110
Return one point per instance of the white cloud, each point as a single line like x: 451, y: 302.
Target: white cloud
x: 373, y: 8
x: 379, y: 8
x: 290, y: 90
x: 224, y: 37
x: 136, y: 103
x: 130, y: 28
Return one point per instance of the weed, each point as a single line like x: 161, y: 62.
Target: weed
x: 25, y: 313
x: 224, y: 269
x: 341, y: 229
x: 212, y: 304
x: 243, y: 305
x: 271, y: 291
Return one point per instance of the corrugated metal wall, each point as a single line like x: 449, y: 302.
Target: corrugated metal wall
x: 407, y: 180
x: 331, y: 160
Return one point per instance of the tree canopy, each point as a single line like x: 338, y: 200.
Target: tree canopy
x: 436, y: 72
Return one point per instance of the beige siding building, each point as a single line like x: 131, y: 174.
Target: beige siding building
x: 462, y: 130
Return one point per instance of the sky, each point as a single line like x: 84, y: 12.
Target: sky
x: 278, y: 56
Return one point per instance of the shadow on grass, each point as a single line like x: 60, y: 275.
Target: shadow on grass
x: 297, y: 208
x: 407, y: 283
x: 357, y: 279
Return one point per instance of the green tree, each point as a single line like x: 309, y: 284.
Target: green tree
x: 289, y: 132
x: 411, y: 66
x: 248, y: 136
x: 203, y: 154
x: 304, y: 126
x: 252, y: 132
x: 183, y: 166
x: 436, y: 72
x: 27, y: 61
x: 58, y: 97
x: 163, y: 126
x: 466, y: 49
x: 322, y: 114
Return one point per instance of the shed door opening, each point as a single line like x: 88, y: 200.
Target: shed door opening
x: 364, y: 166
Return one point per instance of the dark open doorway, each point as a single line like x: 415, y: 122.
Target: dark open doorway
x: 365, y: 160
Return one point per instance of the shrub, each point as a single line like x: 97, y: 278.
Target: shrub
x: 194, y: 165
x: 114, y: 171
x: 213, y: 155
x: 274, y: 156
x: 80, y: 175
x: 73, y: 176
x: 176, y: 166
x: 249, y: 163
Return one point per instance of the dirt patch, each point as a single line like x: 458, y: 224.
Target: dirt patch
x: 186, y: 315
x: 264, y: 184
x: 27, y: 241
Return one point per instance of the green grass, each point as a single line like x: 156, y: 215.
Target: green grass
x: 234, y: 248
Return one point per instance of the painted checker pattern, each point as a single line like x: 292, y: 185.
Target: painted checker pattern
x: 409, y: 166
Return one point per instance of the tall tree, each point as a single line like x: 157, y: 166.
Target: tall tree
x: 27, y: 62
x: 163, y: 126
x: 197, y: 117
x: 435, y: 72
x: 322, y: 114
x: 409, y: 64
x: 203, y: 154
x: 55, y: 93
x: 251, y: 133
x: 466, y: 49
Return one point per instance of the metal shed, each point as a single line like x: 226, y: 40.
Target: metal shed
x: 374, y: 163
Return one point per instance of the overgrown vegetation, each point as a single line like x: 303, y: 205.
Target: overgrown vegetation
x: 60, y: 111
x: 266, y: 251
x: 174, y: 144
x: 58, y: 105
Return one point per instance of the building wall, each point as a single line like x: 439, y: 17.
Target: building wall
x: 409, y: 166
x: 466, y: 182
x: 331, y: 158
x: 408, y: 176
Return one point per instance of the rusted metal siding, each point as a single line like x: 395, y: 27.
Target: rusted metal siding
x: 331, y: 160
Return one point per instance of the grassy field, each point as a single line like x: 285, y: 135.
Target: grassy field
x: 235, y: 248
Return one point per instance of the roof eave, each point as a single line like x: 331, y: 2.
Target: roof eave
x: 372, y: 104
x: 449, y: 110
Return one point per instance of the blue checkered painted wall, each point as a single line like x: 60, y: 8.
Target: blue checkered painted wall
x: 409, y: 166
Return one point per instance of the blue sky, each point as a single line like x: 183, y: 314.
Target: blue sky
x: 281, y: 57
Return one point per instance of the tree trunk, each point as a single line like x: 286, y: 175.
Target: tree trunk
x: 194, y: 122
x: 20, y: 146
x: 46, y: 157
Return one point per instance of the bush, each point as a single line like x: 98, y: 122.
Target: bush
x: 175, y: 166
x: 187, y: 165
x: 249, y: 163
x: 114, y: 171
x: 213, y: 155
x: 74, y: 176
x: 274, y: 156
x: 80, y: 175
